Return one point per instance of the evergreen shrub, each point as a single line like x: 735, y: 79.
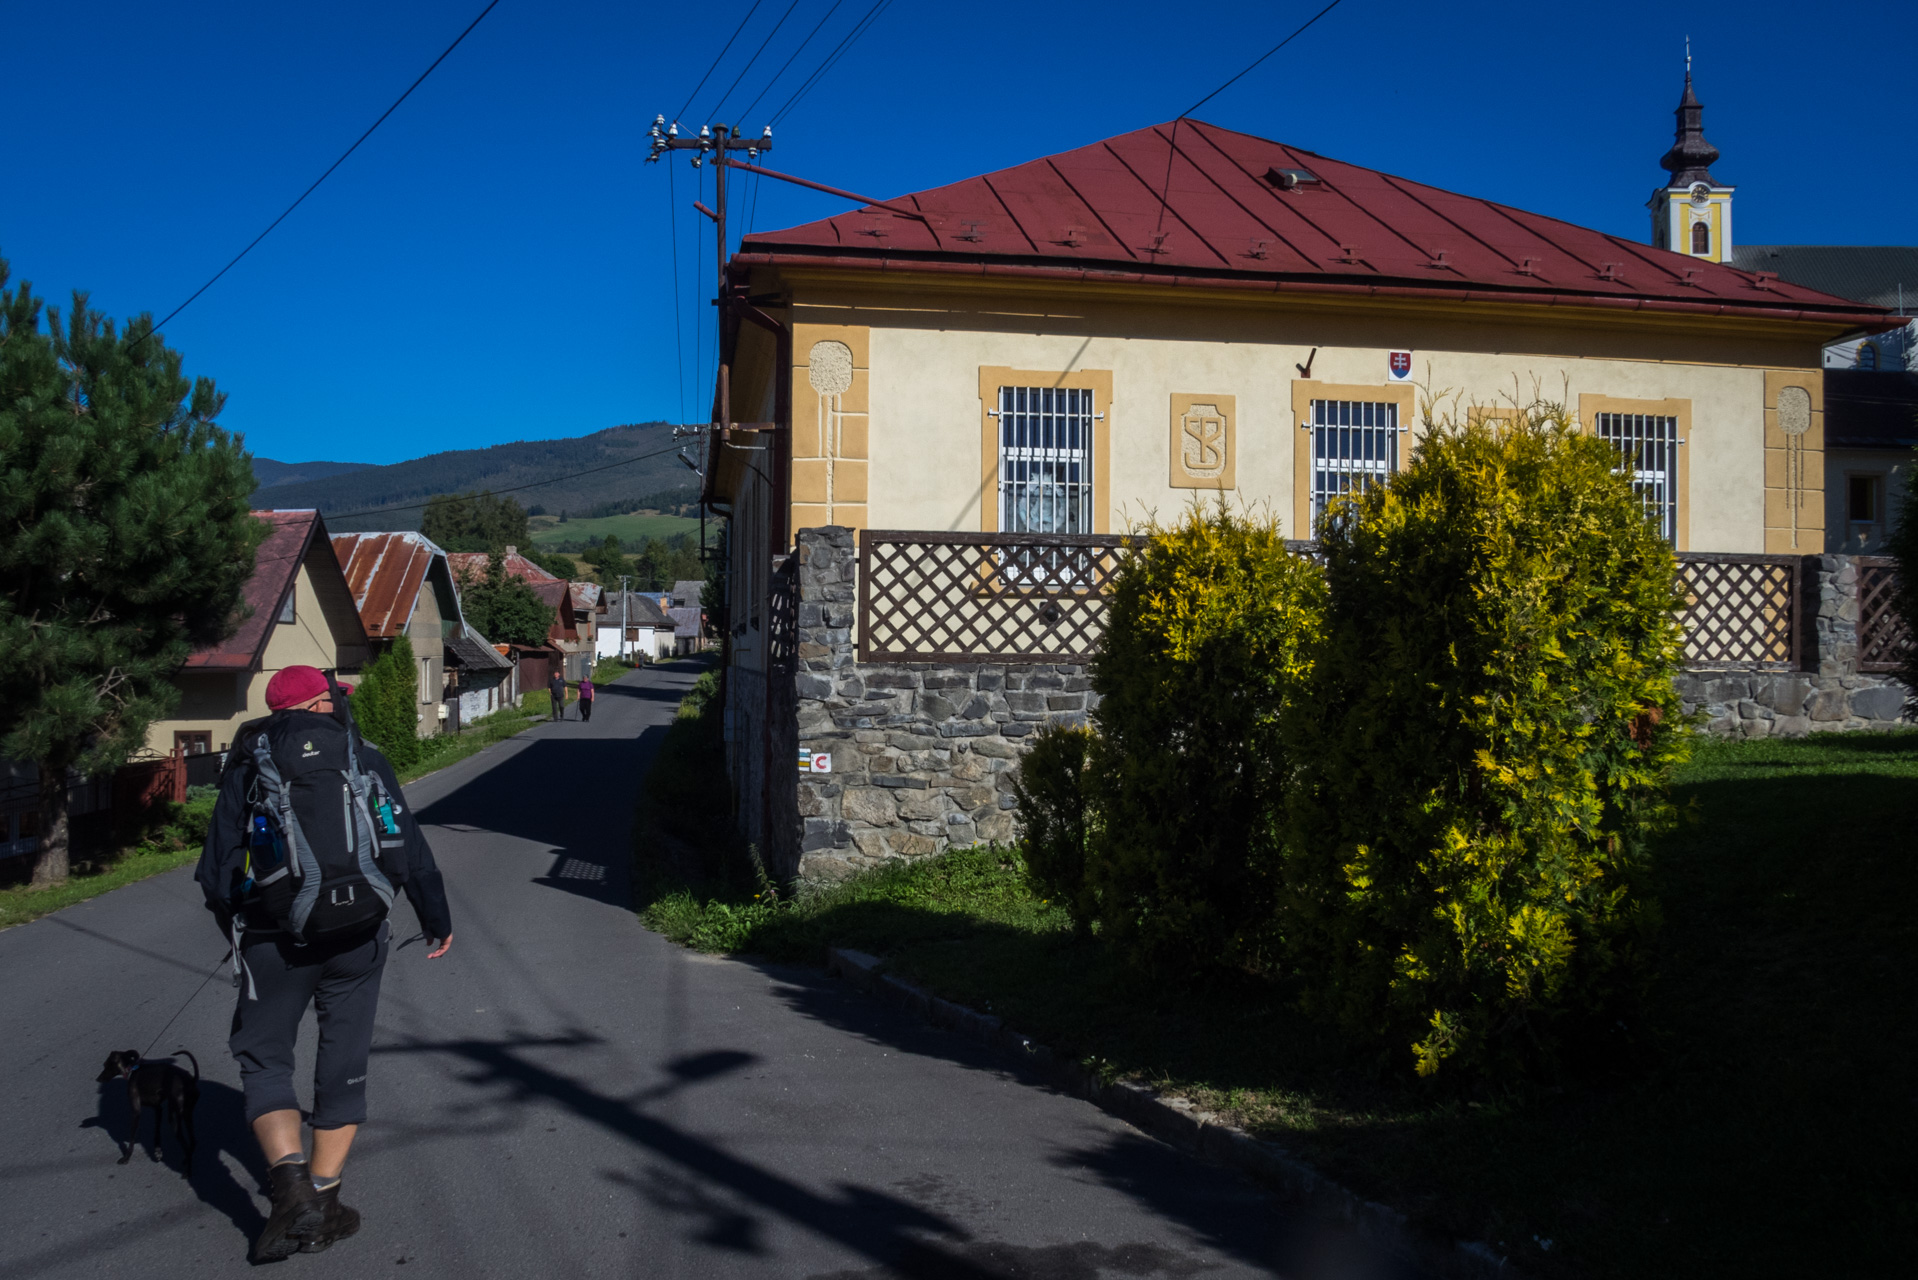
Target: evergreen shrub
x: 386, y: 703
x: 1485, y: 750
x: 1053, y: 793
x: 1207, y: 634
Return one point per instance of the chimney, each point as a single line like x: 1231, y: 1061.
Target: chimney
x: 512, y: 551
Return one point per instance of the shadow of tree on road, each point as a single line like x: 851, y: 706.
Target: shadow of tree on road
x: 729, y: 1194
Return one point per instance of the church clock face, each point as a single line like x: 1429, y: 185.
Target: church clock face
x: 1701, y: 194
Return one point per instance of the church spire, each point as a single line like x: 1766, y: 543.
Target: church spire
x: 1691, y: 156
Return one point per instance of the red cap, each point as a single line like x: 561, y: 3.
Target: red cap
x: 290, y: 686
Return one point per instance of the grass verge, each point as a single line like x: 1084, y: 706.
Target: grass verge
x: 1764, y: 1131
x: 449, y: 748
x: 175, y: 841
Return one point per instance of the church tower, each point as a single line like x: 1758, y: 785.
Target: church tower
x: 1692, y: 214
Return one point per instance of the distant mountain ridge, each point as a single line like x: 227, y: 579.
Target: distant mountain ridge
x: 395, y: 494
x: 272, y: 474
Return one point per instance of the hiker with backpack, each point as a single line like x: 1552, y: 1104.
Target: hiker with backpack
x: 309, y: 844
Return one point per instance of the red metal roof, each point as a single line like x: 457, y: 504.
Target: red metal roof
x: 385, y: 571
x: 1095, y: 214
x: 276, y: 566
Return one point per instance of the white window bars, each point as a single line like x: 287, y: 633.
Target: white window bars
x: 1045, y: 459
x: 1650, y: 445
x: 1355, y: 444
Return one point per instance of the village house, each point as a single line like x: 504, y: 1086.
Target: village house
x: 940, y: 415
x: 564, y: 650
x: 403, y: 584
x: 300, y: 611
x: 634, y: 625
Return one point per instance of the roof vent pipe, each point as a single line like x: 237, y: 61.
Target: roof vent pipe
x: 1287, y: 179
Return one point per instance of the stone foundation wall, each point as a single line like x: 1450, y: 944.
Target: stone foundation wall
x: 922, y: 753
x: 1831, y: 694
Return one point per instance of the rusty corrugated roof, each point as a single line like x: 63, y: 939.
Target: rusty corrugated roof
x: 1095, y: 214
x: 517, y: 566
x: 385, y: 571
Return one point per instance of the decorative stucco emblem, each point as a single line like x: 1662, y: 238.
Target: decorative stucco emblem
x: 829, y: 368
x: 1202, y: 448
x: 1794, y: 410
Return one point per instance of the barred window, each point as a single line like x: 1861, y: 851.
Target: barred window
x: 1650, y: 445
x: 1045, y: 459
x: 1355, y: 444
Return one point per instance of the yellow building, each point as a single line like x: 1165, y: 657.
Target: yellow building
x: 1011, y: 370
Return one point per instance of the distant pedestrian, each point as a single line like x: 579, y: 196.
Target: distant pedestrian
x: 586, y: 698
x: 556, y: 687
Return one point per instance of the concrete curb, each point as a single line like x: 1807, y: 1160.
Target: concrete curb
x: 1178, y: 1122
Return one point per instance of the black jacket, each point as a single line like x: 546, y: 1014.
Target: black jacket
x: 223, y: 857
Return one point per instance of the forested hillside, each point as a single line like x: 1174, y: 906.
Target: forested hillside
x: 396, y: 494
x: 271, y: 474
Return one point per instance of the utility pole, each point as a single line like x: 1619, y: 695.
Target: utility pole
x: 713, y: 142
x: 622, y: 616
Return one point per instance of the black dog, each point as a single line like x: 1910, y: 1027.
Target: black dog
x: 157, y: 1083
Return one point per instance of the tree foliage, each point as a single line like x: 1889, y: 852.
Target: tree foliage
x: 504, y: 609
x: 125, y: 539
x: 1054, y: 794
x: 386, y: 703
x: 475, y: 521
x: 1205, y: 643
x: 1486, y: 748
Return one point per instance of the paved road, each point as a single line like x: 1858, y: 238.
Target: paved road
x: 567, y: 1094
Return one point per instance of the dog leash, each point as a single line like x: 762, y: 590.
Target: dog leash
x: 182, y: 1009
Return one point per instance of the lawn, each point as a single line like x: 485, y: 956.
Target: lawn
x: 1763, y: 1130
x: 630, y: 529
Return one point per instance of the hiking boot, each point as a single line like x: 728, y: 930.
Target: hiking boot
x: 340, y: 1221
x: 297, y: 1212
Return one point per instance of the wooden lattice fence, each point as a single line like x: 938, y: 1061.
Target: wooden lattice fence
x: 984, y: 597
x: 1882, y: 639
x: 1012, y: 597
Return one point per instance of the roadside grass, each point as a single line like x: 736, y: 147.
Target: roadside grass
x: 173, y: 842
x: 1763, y: 1129
x: 443, y: 749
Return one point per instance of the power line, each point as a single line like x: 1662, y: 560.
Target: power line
x: 1261, y: 58
x: 329, y: 171
x: 819, y: 26
x: 721, y: 54
x: 845, y: 44
x: 518, y: 488
x: 1172, y: 145
x: 721, y: 104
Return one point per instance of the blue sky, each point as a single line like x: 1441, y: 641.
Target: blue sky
x: 496, y: 262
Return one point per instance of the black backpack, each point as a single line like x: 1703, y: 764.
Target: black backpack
x: 325, y: 854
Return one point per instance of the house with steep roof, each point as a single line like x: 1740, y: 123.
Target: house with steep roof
x: 403, y: 585
x: 938, y: 415
x: 300, y: 611
x: 568, y: 644
x: 634, y: 624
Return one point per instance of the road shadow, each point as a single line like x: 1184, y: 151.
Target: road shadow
x: 1226, y: 1210
x: 219, y: 1123
x: 726, y: 1199
x: 573, y: 795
